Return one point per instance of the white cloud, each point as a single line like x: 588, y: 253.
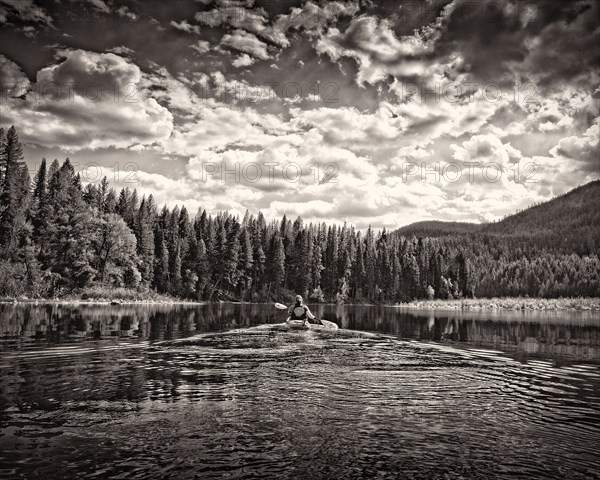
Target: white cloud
x: 379, y: 53
x: 201, y: 46
x: 487, y: 149
x: 90, y: 100
x: 243, y: 60
x: 584, y: 148
x: 100, y: 5
x: 29, y: 31
x: 13, y: 81
x: 311, y: 17
x: 185, y: 26
x: 125, y: 12
x: 247, y: 43
x: 121, y: 50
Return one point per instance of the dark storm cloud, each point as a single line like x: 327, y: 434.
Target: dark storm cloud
x: 544, y: 41
x: 23, y: 11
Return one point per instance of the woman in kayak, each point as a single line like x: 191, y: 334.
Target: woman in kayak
x: 299, y: 311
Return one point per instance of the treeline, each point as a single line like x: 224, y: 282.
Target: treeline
x: 58, y: 236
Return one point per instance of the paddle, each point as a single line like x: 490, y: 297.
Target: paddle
x: 325, y: 323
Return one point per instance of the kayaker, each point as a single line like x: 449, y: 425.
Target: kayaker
x: 299, y: 311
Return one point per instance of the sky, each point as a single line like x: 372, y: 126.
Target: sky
x: 370, y: 112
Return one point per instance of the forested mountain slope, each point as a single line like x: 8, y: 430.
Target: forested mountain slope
x: 569, y: 223
x: 437, y: 228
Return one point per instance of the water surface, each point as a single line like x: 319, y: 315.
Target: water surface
x: 214, y: 391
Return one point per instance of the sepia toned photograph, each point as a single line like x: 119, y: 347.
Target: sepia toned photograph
x: 300, y: 239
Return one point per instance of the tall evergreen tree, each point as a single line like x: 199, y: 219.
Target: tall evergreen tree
x: 14, y: 194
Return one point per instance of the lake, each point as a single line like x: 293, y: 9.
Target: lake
x: 214, y: 391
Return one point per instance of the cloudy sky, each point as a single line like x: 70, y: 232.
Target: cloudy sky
x: 370, y: 112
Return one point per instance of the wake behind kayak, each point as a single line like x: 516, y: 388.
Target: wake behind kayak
x: 305, y: 325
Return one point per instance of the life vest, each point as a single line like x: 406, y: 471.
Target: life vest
x: 298, y: 312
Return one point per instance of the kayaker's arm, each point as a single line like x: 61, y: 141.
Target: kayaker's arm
x: 309, y: 313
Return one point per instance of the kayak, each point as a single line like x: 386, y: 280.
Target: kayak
x: 297, y: 324
x: 305, y: 325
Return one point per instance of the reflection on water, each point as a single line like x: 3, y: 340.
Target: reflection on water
x: 574, y: 335
x: 96, y: 391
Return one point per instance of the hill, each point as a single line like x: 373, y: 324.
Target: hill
x: 569, y: 223
x: 437, y: 228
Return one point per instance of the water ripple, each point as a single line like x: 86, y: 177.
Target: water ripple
x: 258, y: 402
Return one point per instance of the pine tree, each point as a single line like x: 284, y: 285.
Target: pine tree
x: 161, y: 269
x: 175, y: 268
x: 231, y: 256
x: 14, y: 194
x: 278, y: 262
x: 103, y: 190
x: 370, y: 263
x: 245, y: 260
x: 145, y: 241
x: 202, y: 269
x: 110, y: 202
x: 39, y: 200
x: 69, y: 231
x: 2, y: 155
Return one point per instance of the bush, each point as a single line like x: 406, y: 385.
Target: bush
x: 13, y: 279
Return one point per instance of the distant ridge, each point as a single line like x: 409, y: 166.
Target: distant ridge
x: 568, y: 222
x: 438, y: 228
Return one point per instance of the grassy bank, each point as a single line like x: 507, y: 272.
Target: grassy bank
x: 509, y: 303
x: 104, y: 295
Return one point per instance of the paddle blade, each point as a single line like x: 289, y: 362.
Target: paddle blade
x: 280, y: 306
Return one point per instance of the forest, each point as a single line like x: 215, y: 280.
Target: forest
x: 59, y: 237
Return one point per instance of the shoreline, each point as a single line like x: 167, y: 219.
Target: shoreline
x: 62, y: 301
x: 506, y: 303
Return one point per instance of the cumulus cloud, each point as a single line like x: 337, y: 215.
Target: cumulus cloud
x: 99, y: 5
x: 379, y: 52
x: 13, y: 81
x: 89, y: 100
x: 486, y: 149
x: 241, y: 18
x: 314, y: 18
x: 243, y: 60
x: 201, y: 46
x: 122, y: 51
x: 218, y: 127
x: 247, y: 43
x: 584, y: 148
x: 125, y: 12
x: 185, y: 26
x: 311, y: 17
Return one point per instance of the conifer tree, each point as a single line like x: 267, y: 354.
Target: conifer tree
x: 14, y: 193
